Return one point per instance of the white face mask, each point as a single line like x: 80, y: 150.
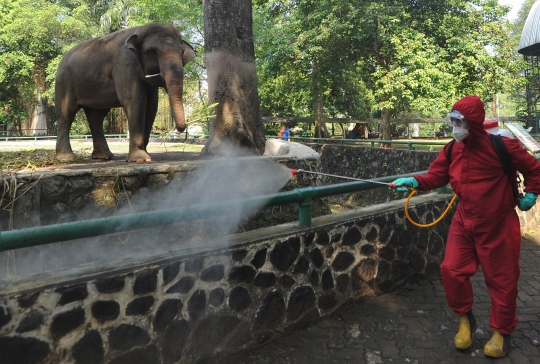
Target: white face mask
x: 460, y: 133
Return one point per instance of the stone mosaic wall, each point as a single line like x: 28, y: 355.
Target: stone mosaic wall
x: 368, y: 163
x: 65, y: 196
x: 196, y: 308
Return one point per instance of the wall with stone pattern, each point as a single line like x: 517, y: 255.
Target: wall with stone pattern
x: 195, y: 305
x: 45, y: 198
x: 368, y: 163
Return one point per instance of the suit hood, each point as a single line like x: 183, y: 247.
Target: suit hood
x: 472, y: 108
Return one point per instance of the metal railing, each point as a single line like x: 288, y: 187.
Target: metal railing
x: 53, y: 137
x: 410, y: 143
x: 88, y: 136
x: 371, y: 142
x: 16, y: 239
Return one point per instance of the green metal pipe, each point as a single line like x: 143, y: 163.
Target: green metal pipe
x: 83, y: 229
x: 23, y: 238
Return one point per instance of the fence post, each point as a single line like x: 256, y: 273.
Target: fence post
x: 304, y: 210
x: 304, y: 206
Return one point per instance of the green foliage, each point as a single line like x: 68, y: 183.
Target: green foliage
x: 516, y: 99
x: 300, y: 55
x: 34, y: 35
x: 381, y: 55
x: 80, y: 125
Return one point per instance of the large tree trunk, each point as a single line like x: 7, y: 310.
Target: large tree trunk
x: 232, y: 77
x: 386, y: 130
x: 36, y: 124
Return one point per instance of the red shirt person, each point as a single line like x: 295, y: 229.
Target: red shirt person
x: 485, y: 229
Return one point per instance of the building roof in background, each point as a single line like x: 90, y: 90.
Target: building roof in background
x: 529, y: 43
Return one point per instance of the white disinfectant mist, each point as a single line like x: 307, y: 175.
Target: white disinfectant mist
x: 229, y: 177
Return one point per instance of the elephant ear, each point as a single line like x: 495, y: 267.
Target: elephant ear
x: 189, y: 52
x: 131, y: 44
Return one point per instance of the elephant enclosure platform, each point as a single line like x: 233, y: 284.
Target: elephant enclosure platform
x: 161, y: 152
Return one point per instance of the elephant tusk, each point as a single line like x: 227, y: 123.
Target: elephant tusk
x: 157, y: 74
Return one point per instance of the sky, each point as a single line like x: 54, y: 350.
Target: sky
x: 515, y: 4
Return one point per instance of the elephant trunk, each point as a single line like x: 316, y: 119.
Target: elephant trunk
x: 173, y: 73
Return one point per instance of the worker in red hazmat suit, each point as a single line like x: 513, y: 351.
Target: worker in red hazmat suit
x: 485, y: 228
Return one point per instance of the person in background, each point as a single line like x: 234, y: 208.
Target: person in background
x: 492, y: 127
x: 280, y: 133
x: 286, y: 133
x: 485, y: 229
x: 353, y: 134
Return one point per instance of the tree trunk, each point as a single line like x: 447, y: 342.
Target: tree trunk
x: 115, y: 125
x: 343, y: 131
x: 494, y: 106
x: 320, y: 125
x: 51, y: 119
x: 318, y: 111
x: 232, y: 77
x: 39, y: 124
x: 112, y: 121
x: 36, y: 123
x: 386, y: 130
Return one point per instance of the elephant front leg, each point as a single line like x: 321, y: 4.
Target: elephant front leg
x: 151, y: 111
x: 95, y: 120
x: 63, y: 145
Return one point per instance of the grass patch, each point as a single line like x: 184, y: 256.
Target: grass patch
x: 29, y: 160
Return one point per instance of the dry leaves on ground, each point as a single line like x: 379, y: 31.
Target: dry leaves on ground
x: 29, y: 160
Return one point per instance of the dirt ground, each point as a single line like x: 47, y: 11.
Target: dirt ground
x: 160, y: 153
x: 159, y: 157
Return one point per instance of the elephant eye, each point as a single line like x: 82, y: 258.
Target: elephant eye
x: 152, y: 53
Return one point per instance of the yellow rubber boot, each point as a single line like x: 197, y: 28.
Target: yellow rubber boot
x: 498, y: 346
x: 467, y: 325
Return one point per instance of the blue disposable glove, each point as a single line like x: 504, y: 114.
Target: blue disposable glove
x: 408, y: 182
x: 526, y: 202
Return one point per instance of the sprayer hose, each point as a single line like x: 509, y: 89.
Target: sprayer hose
x: 413, y: 192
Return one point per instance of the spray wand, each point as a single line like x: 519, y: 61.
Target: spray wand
x: 392, y: 185
x: 296, y: 171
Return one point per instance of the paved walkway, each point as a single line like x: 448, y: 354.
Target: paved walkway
x: 414, y: 325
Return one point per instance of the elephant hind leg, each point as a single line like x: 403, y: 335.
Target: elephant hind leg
x: 66, y: 109
x: 95, y: 120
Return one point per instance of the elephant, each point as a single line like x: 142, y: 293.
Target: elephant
x: 121, y: 69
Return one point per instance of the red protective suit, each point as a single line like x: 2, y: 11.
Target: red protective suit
x: 485, y: 228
